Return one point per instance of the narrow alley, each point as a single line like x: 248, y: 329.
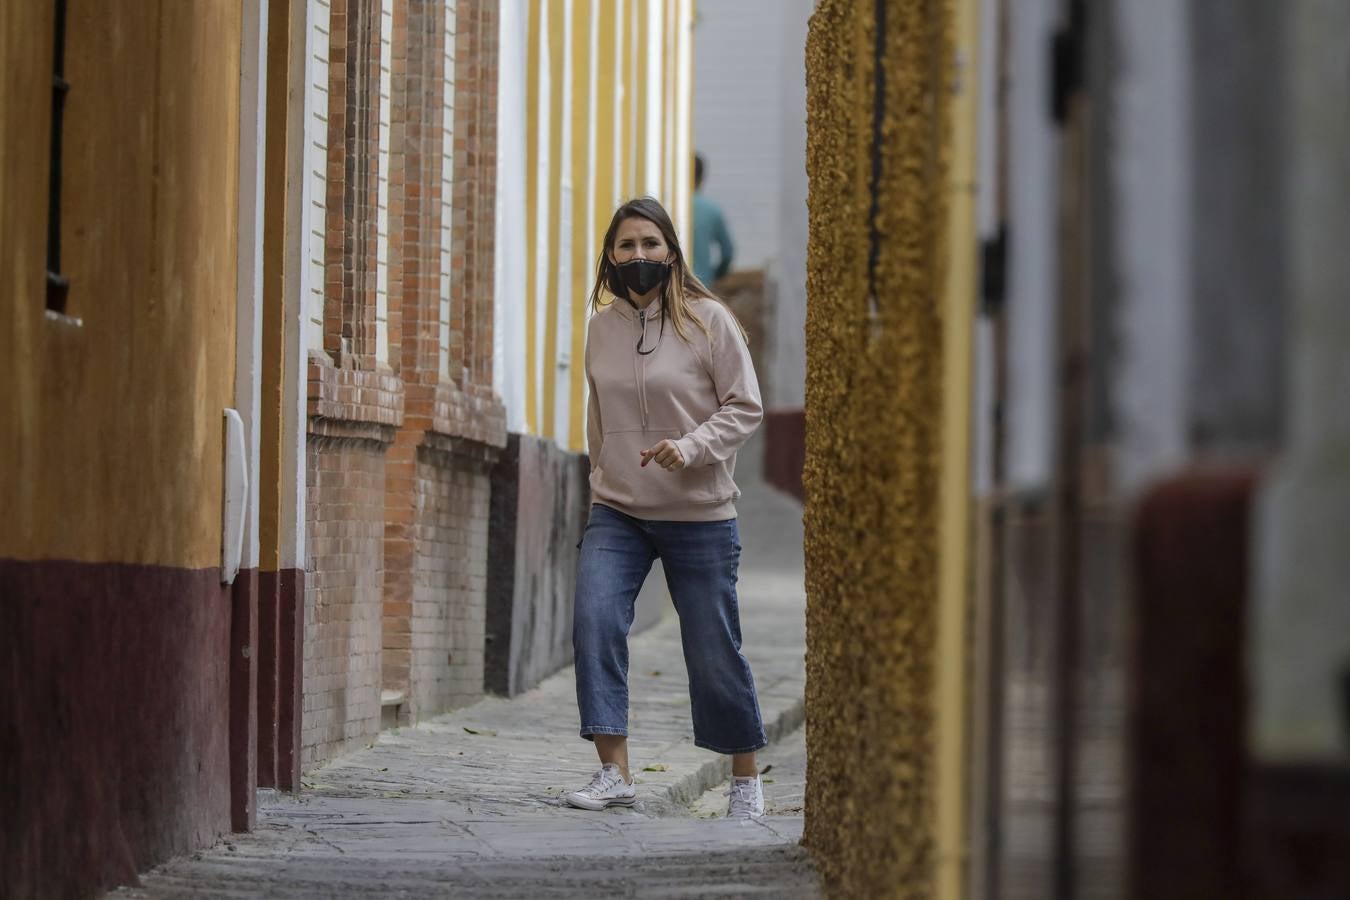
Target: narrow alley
x: 468, y: 804
x: 989, y: 357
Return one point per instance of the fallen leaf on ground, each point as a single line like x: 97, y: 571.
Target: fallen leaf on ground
x: 655, y: 673
x: 658, y: 767
x: 766, y: 769
x: 486, y: 732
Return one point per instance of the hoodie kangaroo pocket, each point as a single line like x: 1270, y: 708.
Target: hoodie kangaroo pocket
x: 625, y: 481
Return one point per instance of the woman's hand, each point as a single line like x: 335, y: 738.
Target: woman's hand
x: 666, y: 454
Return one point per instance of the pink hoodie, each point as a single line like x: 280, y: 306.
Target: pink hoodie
x: 702, y: 394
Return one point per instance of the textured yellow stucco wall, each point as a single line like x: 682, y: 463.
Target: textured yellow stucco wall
x: 111, y: 435
x: 874, y: 416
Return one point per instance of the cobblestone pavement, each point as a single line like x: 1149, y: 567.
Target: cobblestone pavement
x: 468, y: 804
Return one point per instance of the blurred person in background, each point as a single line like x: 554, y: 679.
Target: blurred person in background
x: 710, y: 227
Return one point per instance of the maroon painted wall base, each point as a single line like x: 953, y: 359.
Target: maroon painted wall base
x: 1188, y: 698
x: 114, y: 721
x: 785, y: 450
x: 281, y: 616
x: 244, y: 702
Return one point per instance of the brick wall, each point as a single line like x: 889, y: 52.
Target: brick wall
x: 400, y: 441
x: 342, y: 611
x: 355, y: 403
x: 449, y: 580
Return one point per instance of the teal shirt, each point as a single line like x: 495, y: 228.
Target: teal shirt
x: 710, y: 229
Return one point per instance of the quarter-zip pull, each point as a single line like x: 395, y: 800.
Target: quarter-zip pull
x: 642, y: 334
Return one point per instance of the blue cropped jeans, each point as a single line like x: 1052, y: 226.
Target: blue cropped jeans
x: 700, y: 561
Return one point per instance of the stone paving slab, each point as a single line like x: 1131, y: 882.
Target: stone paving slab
x: 468, y: 804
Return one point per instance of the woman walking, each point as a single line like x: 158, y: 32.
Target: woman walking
x: 673, y: 395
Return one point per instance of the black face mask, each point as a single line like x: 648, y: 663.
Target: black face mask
x: 642, y: 275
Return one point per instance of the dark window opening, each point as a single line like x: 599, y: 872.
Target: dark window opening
x: 58, y: 286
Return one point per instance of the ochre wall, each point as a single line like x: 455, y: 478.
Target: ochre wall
x: 114, y: 626
x: 112, y: 442
x: 873, y: 394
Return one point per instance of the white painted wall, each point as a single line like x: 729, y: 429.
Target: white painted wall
x: 682, y: 160
x: 986, y: 226
x: 316, y: 166
x: 447, y: 195
x: 508, y: 358
x: 1301, y: 642
x: 749, y: 113
x: 1150, y: 170
x: 652, y: 54
x: 249, y: 290
x: 787, y: 338
x: 298, y: 272
x: 738, y: 77
x: 543, y: 257
x: 1032, y: 293
x: 562, y: 271
x: 382, y: 192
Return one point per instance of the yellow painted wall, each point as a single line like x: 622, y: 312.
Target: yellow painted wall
x: 112, y: 434
x: 874, y: 407
x: 601, y: 174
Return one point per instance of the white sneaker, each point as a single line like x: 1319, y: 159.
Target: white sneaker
x: 607, y: 788
x: 746, y: 798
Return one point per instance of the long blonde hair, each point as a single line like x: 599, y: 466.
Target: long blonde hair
x: 679, y: 289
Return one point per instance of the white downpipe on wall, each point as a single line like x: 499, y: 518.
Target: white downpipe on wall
x: 562, y: 348
x: 248, y: 308
x: 508, y: 357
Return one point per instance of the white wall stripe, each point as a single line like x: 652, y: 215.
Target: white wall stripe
x: 543, y: 203
x: 684, y: 123
x: 291, y: 475
x: 249, y: 286
x: 562, y: 382
x: 653, y: 56
x: 316, y: 166
x: 593, y: 184
x: 508, y: 360
x: 621, y: 106
x: 447, y: 196
x: 382, y: 193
